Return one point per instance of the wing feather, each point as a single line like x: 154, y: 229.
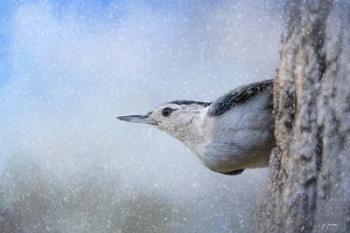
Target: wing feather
x: 237, y: 96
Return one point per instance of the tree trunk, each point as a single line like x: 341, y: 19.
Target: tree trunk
x: 310, y: 166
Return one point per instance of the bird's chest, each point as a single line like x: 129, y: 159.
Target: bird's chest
x: 199, y: 137
x: 235, y: 140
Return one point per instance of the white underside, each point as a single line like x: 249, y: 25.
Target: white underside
x: 240, y: 138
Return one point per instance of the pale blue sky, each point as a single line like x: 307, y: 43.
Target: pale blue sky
x: 67, y: 68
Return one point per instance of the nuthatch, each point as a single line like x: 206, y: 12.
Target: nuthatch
x: 234, y: 132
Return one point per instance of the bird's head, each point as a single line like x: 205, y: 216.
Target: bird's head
x: 174, y: 117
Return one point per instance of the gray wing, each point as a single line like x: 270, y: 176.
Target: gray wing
x: 237, y: 96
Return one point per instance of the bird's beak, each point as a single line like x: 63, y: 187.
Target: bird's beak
x: 138, y: 119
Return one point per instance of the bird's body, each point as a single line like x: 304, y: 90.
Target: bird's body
x: 228, y: 135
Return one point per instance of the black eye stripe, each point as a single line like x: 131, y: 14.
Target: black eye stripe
x: 167, y: 111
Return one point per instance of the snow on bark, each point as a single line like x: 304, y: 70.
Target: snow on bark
x: 310, y: 166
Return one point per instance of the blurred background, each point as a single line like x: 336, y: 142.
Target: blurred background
x: 68, y: 68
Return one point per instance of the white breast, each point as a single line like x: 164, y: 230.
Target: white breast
x: 241, y: 137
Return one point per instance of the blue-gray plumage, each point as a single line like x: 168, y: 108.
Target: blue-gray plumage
x: 238, y: 96
x: 228, y: 135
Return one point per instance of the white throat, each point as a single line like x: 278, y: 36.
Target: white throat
x: 196, y: 135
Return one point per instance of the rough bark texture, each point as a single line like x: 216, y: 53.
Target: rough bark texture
x: 310, y: 166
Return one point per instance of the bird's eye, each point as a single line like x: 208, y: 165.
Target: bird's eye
x: 167, y: 111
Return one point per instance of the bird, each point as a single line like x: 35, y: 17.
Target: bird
x: 233, y: 133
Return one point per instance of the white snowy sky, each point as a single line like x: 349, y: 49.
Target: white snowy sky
x: 68, y: 68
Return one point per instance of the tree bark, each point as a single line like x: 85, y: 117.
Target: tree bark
x: 310, y: 166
